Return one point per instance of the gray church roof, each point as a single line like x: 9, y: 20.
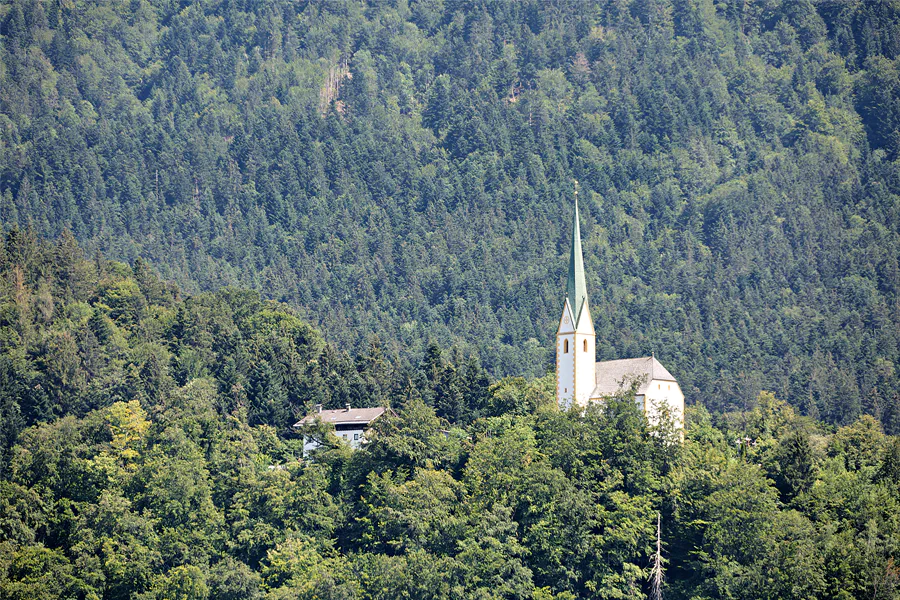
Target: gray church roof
x: 611, y: 374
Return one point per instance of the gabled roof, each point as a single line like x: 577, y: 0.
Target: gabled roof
x: 585, y: 322
x: 612, y: 374
x: 576, y: 288
x: 566, y: 320
x: 344, y: 416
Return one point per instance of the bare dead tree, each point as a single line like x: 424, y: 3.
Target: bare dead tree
x: 656, y: 572
x: 332, y: 86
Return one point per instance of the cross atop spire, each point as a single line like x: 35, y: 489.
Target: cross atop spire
x: 576, y: 289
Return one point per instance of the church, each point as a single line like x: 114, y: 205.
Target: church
x: 581, y: 379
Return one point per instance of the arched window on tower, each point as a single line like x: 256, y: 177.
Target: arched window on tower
x: 565, y: 346
x: 585, y: 345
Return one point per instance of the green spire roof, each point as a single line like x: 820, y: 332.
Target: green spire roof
x: 576, y: 289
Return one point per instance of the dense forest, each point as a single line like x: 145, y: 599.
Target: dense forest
x: 147, y: 453
x: 403, y: 171
x: 217, y: 214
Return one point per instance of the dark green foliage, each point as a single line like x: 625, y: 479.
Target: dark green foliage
x: 890, y: 464
x: 794, y: 469
x: 266, y: 396
x: 404, y: 170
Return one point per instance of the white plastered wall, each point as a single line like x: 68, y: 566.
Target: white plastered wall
x: 664, y: 393
x: 585, y: 357
x: 576, y: 373
x: 565, y: 370
x: 565, y: 359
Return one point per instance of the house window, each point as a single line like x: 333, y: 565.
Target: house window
x: 565, y: 346
x: 585, y: 345
x: 355, y: 436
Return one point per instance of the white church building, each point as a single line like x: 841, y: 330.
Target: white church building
x: 580, y: 379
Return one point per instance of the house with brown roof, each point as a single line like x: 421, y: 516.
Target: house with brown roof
x: 350, y: 424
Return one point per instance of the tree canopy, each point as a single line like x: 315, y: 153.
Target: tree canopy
x: 147, y: 452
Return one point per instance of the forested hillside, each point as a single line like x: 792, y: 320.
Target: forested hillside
x: 405, y: 169
x: 79, y: 334
x: 146, y: 454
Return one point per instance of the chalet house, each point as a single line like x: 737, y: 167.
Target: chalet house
x: 350, y: 424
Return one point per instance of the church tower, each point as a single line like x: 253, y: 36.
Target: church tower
x: 575, y: 350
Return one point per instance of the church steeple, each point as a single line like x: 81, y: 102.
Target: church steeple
x: 576, y: 289
x: 575, y: 350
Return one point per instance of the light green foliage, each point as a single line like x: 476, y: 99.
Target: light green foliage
x: 425, y: 512
x: 185, y: 582
x: 861, y: 444
x: 123, y: 297
x: 21, y: 513
x: 771, y: 417
x: 413, y: 439
x: 129, y: 426
x: 300, y: 568
x: 116, y: 544
x: 39, y: 572
x: 516, y: 395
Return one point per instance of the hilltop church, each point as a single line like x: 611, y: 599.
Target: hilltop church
x: 580, y: 379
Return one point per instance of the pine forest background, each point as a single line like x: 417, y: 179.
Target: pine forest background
x: 403, y: 171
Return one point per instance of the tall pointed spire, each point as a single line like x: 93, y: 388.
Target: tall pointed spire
x: 576, y: 289
x: 576, y: 351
